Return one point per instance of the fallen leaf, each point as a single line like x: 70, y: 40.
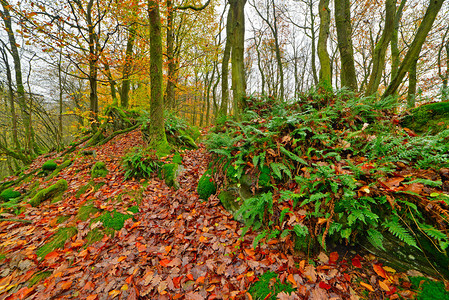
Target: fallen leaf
x: 379, y: 271
x: 356, y: 262
x: 384, y: 286
x: 367, y: 286
x: 324, y: 285
x: 333, y: 257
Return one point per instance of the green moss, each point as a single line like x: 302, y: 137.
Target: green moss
x: 99, y: 170
x: 85, y: 211
x: 134, y: 209
x: 2, y: 256
x: 228, y: 200
x: 52, y: 191
x: 264, y: 177
x: 432, y: 117
x: 268, y: 287
x: 206, y: 185
x: 62, y: 219
x: 62, y: 166
x: 169, y: 173
x: 49, y: 165
x: 429, y: 289
x: 57, y: 241
x: 114, y: 220
x: 9, y: 194
x: 162, y: 148
x: 38, y: 277
x: 177, y: 158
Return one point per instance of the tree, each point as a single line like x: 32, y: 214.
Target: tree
x: 344, y: 35
x: 325, y: 63
x: 415, y: 48
x: 156, y: 129
x: 237, y: 55
x: 378, y: 62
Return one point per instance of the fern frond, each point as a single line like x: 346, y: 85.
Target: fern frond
x: 400, y: 232
x: 375, y: 238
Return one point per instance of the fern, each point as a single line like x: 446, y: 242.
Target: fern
x: 301, y: 230
x: 253, y: 210
x: 293, y: 156
x: 278, y: 167
x: 375, y: 238
x: 400, y: 232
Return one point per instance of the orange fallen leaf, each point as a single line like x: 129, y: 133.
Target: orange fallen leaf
x: 379, y: 271
x: 121, y: 258
x: 114, y: 293
x: 384, y: 286
x: 367, y: 286
x: 92, y: 297
x: 292, y: 280
x: 333, y: 257
x: 250, y: 252
x: 189, y: 276
x: 51, y: 255
x: 165, y: 262
x: 65, y: 285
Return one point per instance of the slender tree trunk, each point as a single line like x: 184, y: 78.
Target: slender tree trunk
x: 344, y: 33
x: 381, y: 48
x: 11, y: 101
x: 225, y: 65
x: 411, y: 97
x: 124, y: 92
x: 60, y: 131
x: 111, y: 84
x: 325, y: 62
x: 237, y: 59
x: 170, y: 100
x: 395, y: 53
x: 314, y: 50
x: 156, y: 128
x: 415, y: 48
x: 93, y: 68
x: 5, y: 15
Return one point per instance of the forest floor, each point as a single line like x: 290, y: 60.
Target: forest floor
x: 174, y: 247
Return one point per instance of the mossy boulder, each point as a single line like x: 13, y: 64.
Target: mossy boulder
x: 230, y: 199
x: 49, y: 165
x: 58, y: 169
x: 9, y: 194
x: 432, y: 117
x: 99, y: 170
x: 50, y: 192
x: 57, y: 241
x: 170, y: 172
x: 206, y: 185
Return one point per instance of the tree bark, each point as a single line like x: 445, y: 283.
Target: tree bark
x: 325, y: 62
x: 225, y: 65
x: 395, y: 53
x: 171, y: 71
x: 415, y: 48
x: 5, y: 15
x: 411, y: 97
x: 156, y: 128
x: 381, y: 49
x: 124, y: 92
x: 93, y: 67
x: 344, y: 32
x: 237, y: 58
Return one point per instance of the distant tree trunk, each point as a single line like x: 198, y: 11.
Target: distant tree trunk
x: 415, y: 48
x: 444, y: 76
x: 93, y: 67
x: 411, y: 97
x: 60, y: 131
x: 5, y: 15
x: 225, y: 65
x: 156, y: 128
x: 171, y: 71
x: 111, y: 84
x: 395, y: 53
x: 344, y: 32
x: 124, y: 92
x: 381, y: 48
x: 11, y: 100
x: 314, y: 50
x: 237, y: 58
x: 325, y: 62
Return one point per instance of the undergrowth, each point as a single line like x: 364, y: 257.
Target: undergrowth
x: 328, y: 161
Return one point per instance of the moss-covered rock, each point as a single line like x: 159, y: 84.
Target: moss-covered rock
x: 57, y: 241
x: 230, y: 199
x: 177, y: 158
x: 9, y: 194
x: 99, y: 170
x: 170, y: 172
x: 206, y: 185
x: 51, y: 192
x: 62, y: 166
x: 432, y: 117
x: 49, y: 165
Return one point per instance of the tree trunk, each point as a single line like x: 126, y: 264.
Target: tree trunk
x: 381, y: 48
x: 237, y: 58
x: 18, y: 74
x: 93, y: 68
x: 344, y: 32
x: 124, y: 92
x: 171, y: 71
x: 411, y: 97
x: 415, y: 48
x: 395, y: 53
x: 225, y: 65
x: 325, y: 62
x: 314, y: 50
x: 111, y: 84
x: 156, y: 128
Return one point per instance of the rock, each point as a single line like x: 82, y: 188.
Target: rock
x: 433, y: 117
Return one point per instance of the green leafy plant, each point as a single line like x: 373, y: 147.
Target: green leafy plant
x: 140, y: 163
x: 269, y: 286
